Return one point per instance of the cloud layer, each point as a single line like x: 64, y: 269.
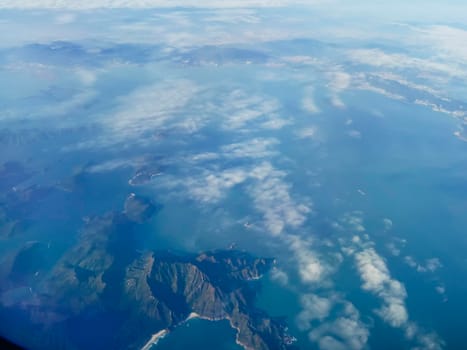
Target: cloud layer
x: 91, y: 4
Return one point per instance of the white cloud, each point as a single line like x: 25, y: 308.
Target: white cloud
x: 388, y: 76
x: 425, y: 340
x: 239, y: 110
x: 362, y: 83
x: 271, y: 196
x: 308, y: 102
x: 387, y: 224
x: 353, y: 221
x: 393, y: 249
x: 337, y: 102
x: 312, y: 268
x: 338, y: 82
x: 148, y: 108
x: 85, y: 76
x: 279, y: 276
x: 345, y: 332
x: 253, y: 148
x: 300, y: 59
x: 206, y: 156
x: 380, y: 59
x: 433, y: 264
x: 235, y: 16
x: 395, y: 313
x: 265, y: 185
x: 65, y: 18
x: 93, y: 4
x: 439, y: 108
x: 307, y: 132
x: 212, y: 187
x: 275, y: 123
x: 68, y: 106
x: 430, y: 265
x: 355, y: 134
x: 114, y: 164
x: 377, y: 279
x: 314, y: 307
x: 449, y: 42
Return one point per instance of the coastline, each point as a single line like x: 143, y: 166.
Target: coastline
x: 161, y: 334
x: 195, y: 315
x: 154, y: 339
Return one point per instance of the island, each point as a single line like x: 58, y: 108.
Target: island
x: 104, y: 292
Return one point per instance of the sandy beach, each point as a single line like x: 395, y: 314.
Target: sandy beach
x: 154, y: 339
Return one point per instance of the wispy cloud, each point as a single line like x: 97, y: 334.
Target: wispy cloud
x: 308, y: 101
x: 271, y: 197
x: 314, y: 307
x: 149, y: 108
x: 448, y: 41
x: 345, y: 332
x: 381, y: 59
x: 252, y: 148
x: 306, y: 133
x: 312, y: 269
x: 430, y: 265
x: 211, y: 187
x: 65, y: 18
x: 240, y: 109
x: 338, y: 82
x: 88, y: 4
x: 377, y: 279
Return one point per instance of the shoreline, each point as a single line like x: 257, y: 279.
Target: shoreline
x: 161, y: 334
x: 155, y: 338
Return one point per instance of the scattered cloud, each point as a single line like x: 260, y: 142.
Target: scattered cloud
x: 338, y: 82
x: 212, y: 187
x: 89, y: 4
x: 381, y: 59
x: 314, y: 307
x: 239, y: 110
x: 362, y: 83
x: 114, y: 164
x: 345, y: 332
x: 148, y: 108
x: 439, y: 108
x: 315, y: 263
x: 424, y: 340
x: 430, y: 265
x: 252, y: 148
x: 377, y: 279
x: 279, y: 276
x: 353, y: 221
x: 355, y: 134
x: 307, y: 132
x: 448, y: 41
x: 387, y: 224
x: 271, y: 197
x: 308, y: 102
x: 85, y: 76
x: 65, y: 18
x: 68, y: 106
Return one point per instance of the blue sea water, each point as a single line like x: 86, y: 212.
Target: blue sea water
x: 200, y: 334
x: 378, y: 158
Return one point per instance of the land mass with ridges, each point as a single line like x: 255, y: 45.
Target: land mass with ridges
x: 118, y: 297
